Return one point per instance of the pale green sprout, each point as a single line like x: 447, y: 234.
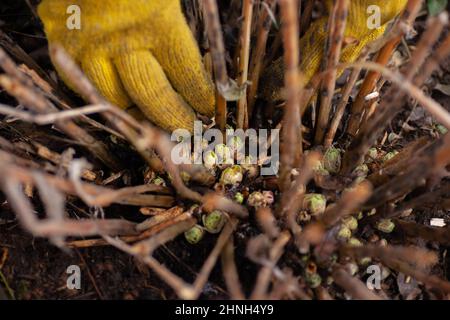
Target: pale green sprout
x: 344, y: 233
x: 195, y: 234
x: 232, y: 175
x: 388, y: 156
x: 315, y: 203
x: 385, y: 225
x: 256, y: 199
x: 239, y: 197
x: 210, y: 160
x: 350, y: 222
x: 214, y: 221
x: 313, y: 280
x: 224, y: 154
x: 332, y: 160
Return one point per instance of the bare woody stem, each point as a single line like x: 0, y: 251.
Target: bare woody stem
x: 257, y: 60
x: 391, y: 104
x: 409, y: 15
x: 336, y: 27
x: 291, y: 133
x: 21, y: 87
x: 217, y: 48
x: 247, y: 12
x: 353, y: 286
x: 340, y: 109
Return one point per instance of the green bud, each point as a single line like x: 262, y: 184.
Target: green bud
x: 236, y: 143
x: 344, y: 233
x: 319, y: 169
x: 332, y: 160
x: 365, y: 261
x: 159, y: 181
x: 313, y: 280
x: 239, y: 197
x: 372, y: 155
x: 256, y: 199
x: 385, y: 225
x: 388, y: 156
x: 194, y: 234
x: 186, y: 177
x: 333, y: 258
x: 214, y: 221
x: 224, y: 154
x: 350, y: 222
x: 315, y: 203
x: 204, y: 144
x: 354, y: 242
x: 210, y: 159
x: 232, y: 175
x: 361, y: 171
x: 441, y: 129
x: 322, y: 172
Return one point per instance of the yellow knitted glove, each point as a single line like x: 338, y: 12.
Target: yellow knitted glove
x: 136, y: 52
x: 312, y: 44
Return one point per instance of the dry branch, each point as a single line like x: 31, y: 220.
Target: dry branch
x: 406, y: 19
x: 391, y: 104
x: 265, y: 274
x: 291, y: 137
x: 24, y: 91
x: 257, y: 60
x: 353, y: 286
x: 245, y: 36
x: 336, y: 27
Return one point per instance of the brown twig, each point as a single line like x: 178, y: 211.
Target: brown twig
x: 291, y: 148
x: 407, y: 18
x: 97, y: 196
x: 336, y: 27
x: 49, y: 118
x: 267, y: 222
x: 181, y: 288
x: 408, y: 260
x: 415, y: 230
x: 257, y: 60
x: 126, y: 124
x: 53, y: 226
x: 350, y: 202
x: 340, y: 109
x: 247, y: 13
x: 208, y: 265
x: 264, y: 275
x: 230, y: 272
x: 390, y: 105
x: 24, y: 92
x: 353, y: 286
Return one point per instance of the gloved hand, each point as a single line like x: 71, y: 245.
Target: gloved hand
x: 312, y: 44
x: 136, y: 52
